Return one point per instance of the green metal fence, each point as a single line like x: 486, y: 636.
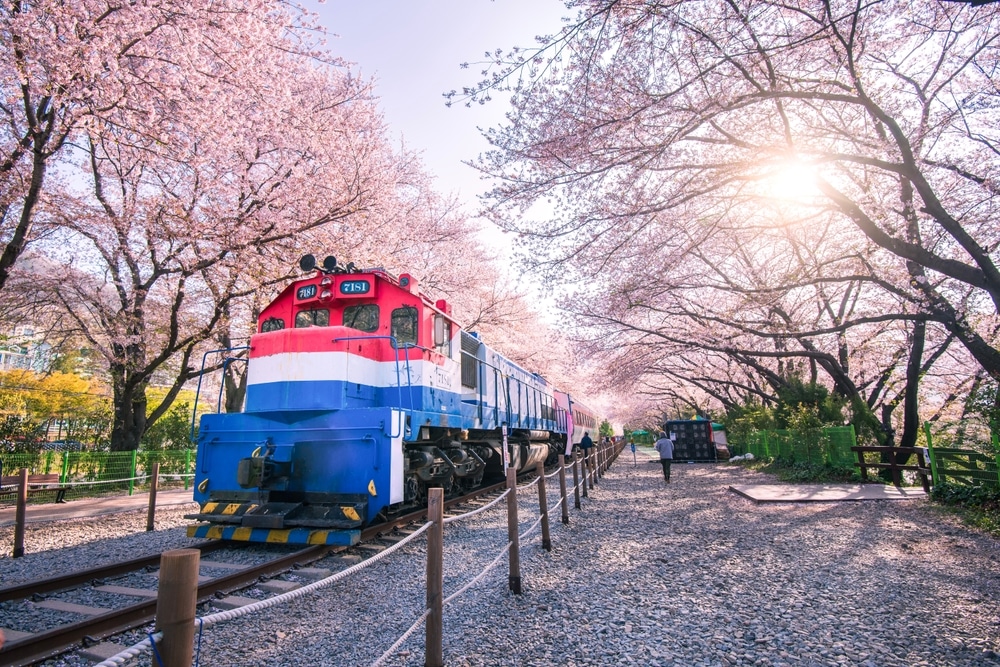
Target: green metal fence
x: 967, y: 467
x: 90, y: 474
x: 831, y: 445
x: 949, y: 464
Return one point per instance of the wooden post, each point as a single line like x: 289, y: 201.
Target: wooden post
x: 153, y: 479
x: 543, y: 507
x: 433, y: 654
x: 562, y: 488
x: 176, y: 604
x: 922, y: 464
x: 20, y: 514
x: 584, y: 473
x: 514, y: 578
x: 861, y: 465
x: 576, y: 483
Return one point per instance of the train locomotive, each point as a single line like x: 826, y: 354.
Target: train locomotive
x: 361, y: 394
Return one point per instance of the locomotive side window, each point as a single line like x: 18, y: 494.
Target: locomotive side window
x: 272, y: 324
x: 442, y: 336
x: 312, y: 318
x: 404, y: 325
x: 363, y: 317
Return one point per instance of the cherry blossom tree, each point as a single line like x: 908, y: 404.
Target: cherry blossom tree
x: 168, y: 236
x: 156, y: 71
x: 655, y: 149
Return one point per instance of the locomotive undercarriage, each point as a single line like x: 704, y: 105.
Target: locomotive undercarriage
x: 461, y: 465
x: 455, y: 466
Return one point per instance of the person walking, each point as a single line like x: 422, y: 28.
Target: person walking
x: 665, y: 446
x: 586, y: 444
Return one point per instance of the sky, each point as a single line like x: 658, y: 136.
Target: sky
x: 414, y: 49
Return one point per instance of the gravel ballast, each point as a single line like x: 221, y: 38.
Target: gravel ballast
x: 645, y: 574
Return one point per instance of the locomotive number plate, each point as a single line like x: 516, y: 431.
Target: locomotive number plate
x: 355, y: 287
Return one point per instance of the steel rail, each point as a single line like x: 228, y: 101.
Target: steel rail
x: 80, y: 577
x: 44, y: 645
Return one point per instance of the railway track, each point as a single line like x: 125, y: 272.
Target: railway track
x: 126, y: 614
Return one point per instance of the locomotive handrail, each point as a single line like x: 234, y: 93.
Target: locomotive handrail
x: 197, y: 393
x: 497, y: 371
x: 399, y: 381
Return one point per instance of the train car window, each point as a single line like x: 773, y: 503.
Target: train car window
x: 404, y: 325
x: 272, y: 324
x: 312, y: 318
x: 442, y: 335
x: 363, y: 317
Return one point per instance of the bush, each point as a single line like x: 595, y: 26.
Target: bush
x: 978, y: 506
x: 807, y: 472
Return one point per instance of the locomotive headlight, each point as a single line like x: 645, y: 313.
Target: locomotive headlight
x: 327, y: 280
x: 325, y: 295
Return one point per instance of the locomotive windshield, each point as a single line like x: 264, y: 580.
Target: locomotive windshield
x: 272, y: 324
x: 404, y: 325
x: 312, y: 318
x: 363, y: 317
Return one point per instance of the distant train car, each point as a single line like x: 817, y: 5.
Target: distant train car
x: 581, y: 419
x: 362, y: 393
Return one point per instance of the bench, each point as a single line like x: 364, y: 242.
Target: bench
x: 36, y: 484
x: 922, y: 468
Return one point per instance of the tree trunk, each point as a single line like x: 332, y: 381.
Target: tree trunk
x: 20, y: 236
x: 129, y: 417
x: 911, y: 416
x: 235, y: 378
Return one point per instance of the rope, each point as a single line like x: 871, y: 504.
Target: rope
x: 531, y: 528
x: 140, y: 478
x: 529, y: 484
x: 399, y: 642
x: 131, y: 652
x: 476, y: 511
x: 503, y: 552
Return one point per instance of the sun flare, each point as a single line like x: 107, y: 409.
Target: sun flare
x: 790, y: 180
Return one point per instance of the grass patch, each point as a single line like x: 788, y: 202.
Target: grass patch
x: 977, y: 506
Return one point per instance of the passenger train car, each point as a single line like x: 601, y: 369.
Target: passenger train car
x: 362, y: 393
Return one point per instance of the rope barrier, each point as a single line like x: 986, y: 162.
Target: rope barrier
x: 472, y: 582
x: 231, y: 614
x: 476, y: 511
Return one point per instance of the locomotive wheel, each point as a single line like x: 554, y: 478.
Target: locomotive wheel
x: 413, y: 491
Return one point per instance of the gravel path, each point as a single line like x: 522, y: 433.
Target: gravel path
x: 647, y: 574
